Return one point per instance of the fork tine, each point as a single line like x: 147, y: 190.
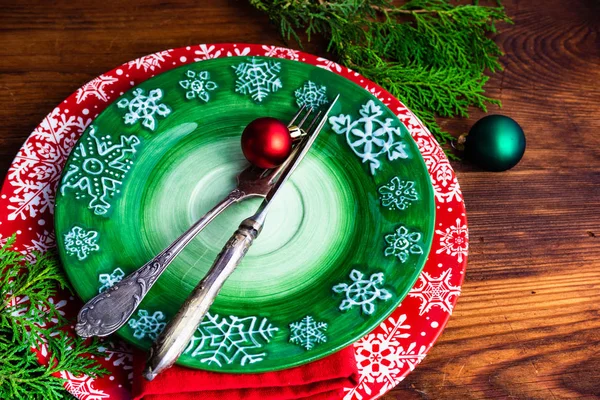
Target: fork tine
x: 310, y: 110
x: 324, y: 119
x: 297, y: 155
x: 297, y: 115
x: 312, y: 123
x: 275, y: 172
x: 280, y: 168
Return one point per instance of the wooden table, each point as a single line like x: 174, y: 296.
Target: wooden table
x: 527, y: 325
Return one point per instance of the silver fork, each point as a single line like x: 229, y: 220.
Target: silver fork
x: 110, y: 310
x: 173, y: 340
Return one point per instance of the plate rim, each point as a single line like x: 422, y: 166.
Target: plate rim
x: 370, y: 384
x: 305, y: 357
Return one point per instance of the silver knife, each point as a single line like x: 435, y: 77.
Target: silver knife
x: 173, y: 340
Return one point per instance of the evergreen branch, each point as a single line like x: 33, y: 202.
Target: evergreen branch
x: 29, y: 319
x: 431, y: 54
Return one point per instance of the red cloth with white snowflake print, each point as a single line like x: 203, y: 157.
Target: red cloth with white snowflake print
x: 323, y: 379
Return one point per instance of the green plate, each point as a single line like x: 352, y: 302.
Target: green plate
x: 341, y: 247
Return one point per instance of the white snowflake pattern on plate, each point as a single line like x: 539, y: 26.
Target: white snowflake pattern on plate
x: 197, y: 85
x: 311, y: 95
x: 231, y: 339
x: 207, y: 52
x: 146, y: 108
x: 403, y: 243
x: 443, y: 179
x: 151, y: 61
x: 371, y: 136
x: 96, y: 87
x: 80, y: 242
x: 98, y: 169
x: 445, y: 184
x: 82, y: 386
x: 108, y: 280
x: 435, y: 292
x: 39, y: 163
x: 308, y: 332
x: 239, y: 52
x: 146, y: 324
x: 381, y: 354
x: 398, y: 194
x: 280, y: 52
x: 329, y: 65
x: 362, y: 292
x: 257, y: 78
x: 43, y: 242
x: 454, y: 241
x: 377, y: 93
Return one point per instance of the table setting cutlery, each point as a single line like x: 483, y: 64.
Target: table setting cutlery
x: 110, y: 310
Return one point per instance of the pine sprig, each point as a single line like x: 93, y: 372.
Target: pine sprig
x: 431, y: 54
x: 35, y: 283
x: 30, y: 319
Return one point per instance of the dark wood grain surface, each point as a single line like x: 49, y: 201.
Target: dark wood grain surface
x: 527, y: 325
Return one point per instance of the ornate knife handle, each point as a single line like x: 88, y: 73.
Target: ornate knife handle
x: 110, y: 310
x: 175, y: 337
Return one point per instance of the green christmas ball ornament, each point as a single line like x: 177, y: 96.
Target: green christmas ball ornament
x: 494, y: 143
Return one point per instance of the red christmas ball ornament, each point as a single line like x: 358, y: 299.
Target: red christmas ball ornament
x: 266, y: 142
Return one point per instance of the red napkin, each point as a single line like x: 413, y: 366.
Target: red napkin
x: 323, y: 379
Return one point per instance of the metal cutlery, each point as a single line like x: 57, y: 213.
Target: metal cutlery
x: 110, y: 310
x: 175, y: 337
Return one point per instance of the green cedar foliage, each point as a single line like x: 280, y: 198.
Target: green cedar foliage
x: 430, y: 54
x: 29, y: 319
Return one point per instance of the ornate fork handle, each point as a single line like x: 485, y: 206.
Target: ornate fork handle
x: 110, y: 310
x: 173, y: 340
